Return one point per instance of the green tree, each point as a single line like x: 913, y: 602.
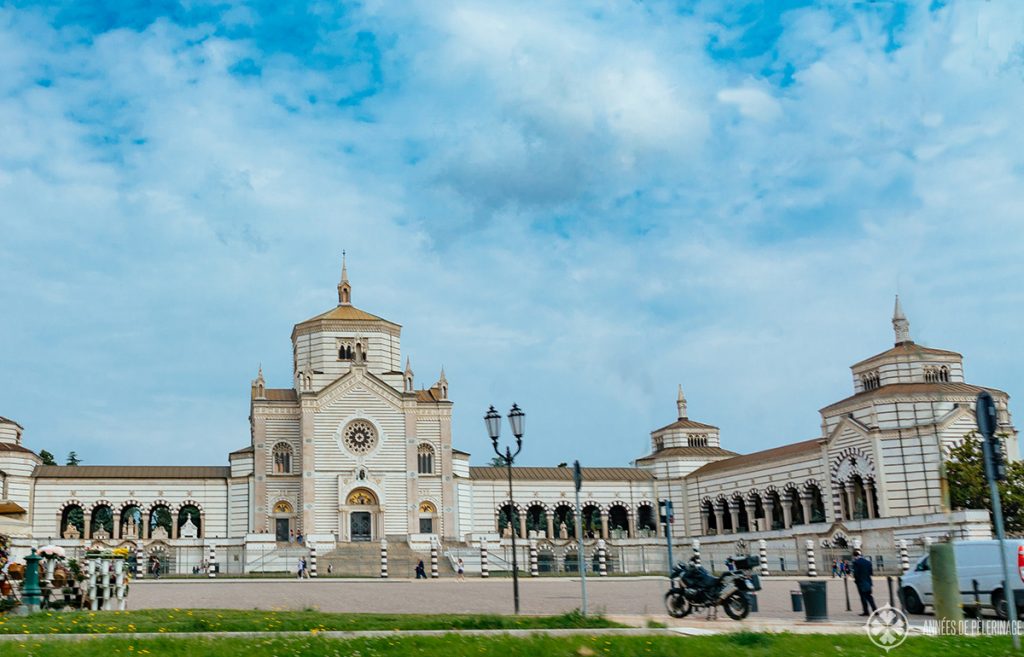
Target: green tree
x: 496, y: 462
x: 47, y: 457
x: 968, y: 487
x: 73, y: 458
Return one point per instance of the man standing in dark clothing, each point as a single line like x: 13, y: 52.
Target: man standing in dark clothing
x: 862, y: 572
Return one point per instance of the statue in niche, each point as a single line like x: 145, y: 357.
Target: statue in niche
x: 159, y: 533
x: 507, y: 532
x: 188, y: 530
x: 72, y: 532
x: 563, y: 531
x: 102, y: 535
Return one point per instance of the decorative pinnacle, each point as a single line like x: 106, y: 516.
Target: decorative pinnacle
x: 900, y: 323
x: 681, y: 403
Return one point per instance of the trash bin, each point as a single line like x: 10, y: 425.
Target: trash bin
x: 797, y: 599
x: 815, y: 601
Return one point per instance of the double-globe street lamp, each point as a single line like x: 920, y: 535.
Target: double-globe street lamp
x: 493, y: 422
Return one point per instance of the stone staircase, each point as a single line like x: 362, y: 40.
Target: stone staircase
x: 363, y: 560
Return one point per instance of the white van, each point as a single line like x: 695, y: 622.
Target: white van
x: 975, y: 561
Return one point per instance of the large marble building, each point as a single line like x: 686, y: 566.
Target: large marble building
x: 352, y: 451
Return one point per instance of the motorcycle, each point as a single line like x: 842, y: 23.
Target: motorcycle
x: 697, y: 589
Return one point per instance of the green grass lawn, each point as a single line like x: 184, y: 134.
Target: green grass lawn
x: 731, y: 645
x: 231, y: 620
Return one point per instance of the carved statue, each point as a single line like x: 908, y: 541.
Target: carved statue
x: 188, y: 530
x: 160, y: 533
x: 72, y: 532
x: 507, y: 533
x: 131, y: 529
x: 563, y: 531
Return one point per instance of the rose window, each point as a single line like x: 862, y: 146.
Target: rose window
x: 359, y: 437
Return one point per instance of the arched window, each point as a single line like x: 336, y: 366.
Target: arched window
x: 870, y: 381
x: 944, y: 374
x: 699, y: 440
x: 72, y: 521
x: 425, y: 459
x: 101, y: 519
x: 282, y: 458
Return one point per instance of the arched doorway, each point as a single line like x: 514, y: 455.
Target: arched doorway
x: 361, y: 512
x: 282, y: 515
x: 427, y: 517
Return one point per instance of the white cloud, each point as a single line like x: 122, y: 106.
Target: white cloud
x: 561, y: 207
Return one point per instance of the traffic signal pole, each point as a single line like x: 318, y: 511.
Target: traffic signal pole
x: 985, y: 410
x: 667, y: 518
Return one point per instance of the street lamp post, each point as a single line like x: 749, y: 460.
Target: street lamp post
x: 493, y: 421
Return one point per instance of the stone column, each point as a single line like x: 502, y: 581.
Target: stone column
x: 308, y: 499
x: 657, y: 521
x: 805, y: 504
x: 604, y: 524
x: 734, y: 515
x: 549, y: 516
x: 718, y: 521
x: 522, y: 524
x: 174, y: 525
x: 704, y: 528
x: 869, y: 493
x: 769, y: 511
x: 751, y: 508
x: 87, y: 530
x: 787, y: 512
x: 144, y: 529
x: 630, y: 523
x: 851, y: 502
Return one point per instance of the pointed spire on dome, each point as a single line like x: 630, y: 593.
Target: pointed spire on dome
x: 681, y: 403
x: 344, y: 288
x: 900, y: 324
x: 442, y: 379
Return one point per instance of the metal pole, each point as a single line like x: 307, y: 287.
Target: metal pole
x: 846, y: 590
x: 515, y: 563
x: 668, y: 534
x: 579, y: 551
x: 997, y: 512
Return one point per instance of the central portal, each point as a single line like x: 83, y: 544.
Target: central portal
x: 360, y: 526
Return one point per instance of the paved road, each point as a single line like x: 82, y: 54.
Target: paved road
x: 613, y: 595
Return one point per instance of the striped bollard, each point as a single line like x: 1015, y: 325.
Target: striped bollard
x: 212, y: 568
x: 696, y: 551
x: 812, y: 569
x: 312, y: 560
x: 904, y: 557
x: 433, y: 560
x: 602, y: 559
x: 383, y: 558
x: 534, y: 569
x: 140, y: 561
x: 762, y: 548
x: 484, y: 572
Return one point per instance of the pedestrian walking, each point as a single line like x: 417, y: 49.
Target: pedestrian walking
x: 330, y: 568
x: 421, y: 572
x: 302, y: 568
x: 460, y: 571
x: 835, y: 568
x: 862, y: 572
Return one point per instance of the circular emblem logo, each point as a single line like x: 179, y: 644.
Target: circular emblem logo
x: 887, y: 627
x: 359, y: 437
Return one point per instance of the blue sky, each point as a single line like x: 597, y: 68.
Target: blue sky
x: 572, y: 206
